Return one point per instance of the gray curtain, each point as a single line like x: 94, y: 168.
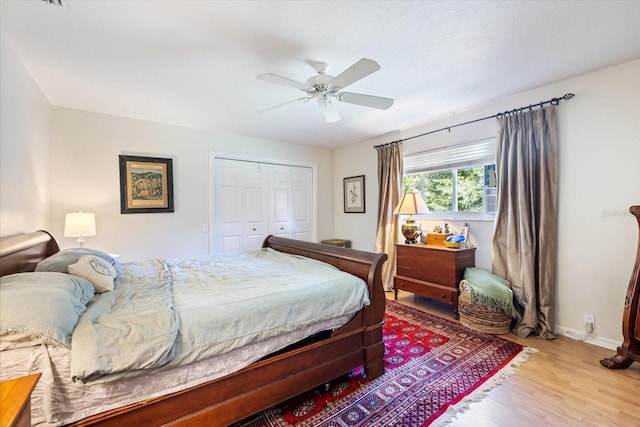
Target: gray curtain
x: 525, y: 236
x: 389, y: 192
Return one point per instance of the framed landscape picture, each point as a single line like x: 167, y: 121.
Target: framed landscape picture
x: 354, y: 194
x: 146, y: 184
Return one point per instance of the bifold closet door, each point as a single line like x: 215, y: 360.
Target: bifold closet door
x: 252, y: 200
x: 290, y: 201
x: 240, y: 206
x: 301, y: 203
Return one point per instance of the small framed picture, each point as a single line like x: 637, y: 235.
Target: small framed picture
x: 146, y: 185
x: 354, y: 194
x: 465, y: 232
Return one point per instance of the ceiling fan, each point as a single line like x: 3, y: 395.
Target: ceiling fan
x: 326, y: 89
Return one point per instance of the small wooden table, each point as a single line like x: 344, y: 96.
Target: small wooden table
x: 433, y: 271
x: 15, y: 400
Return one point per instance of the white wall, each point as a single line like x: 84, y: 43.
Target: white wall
x: 24, y: 148
x: 599, y: 132
x: 85, y: 176
x: 56, y: 160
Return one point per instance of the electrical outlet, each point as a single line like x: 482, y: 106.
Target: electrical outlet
x: 589, y: 322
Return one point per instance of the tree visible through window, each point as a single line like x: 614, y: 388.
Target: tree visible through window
x: 448, y: 184
x: 470, y: 189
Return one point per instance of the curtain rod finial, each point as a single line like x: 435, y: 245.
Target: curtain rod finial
x: 568, y: 96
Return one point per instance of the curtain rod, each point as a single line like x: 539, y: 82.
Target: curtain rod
x: 552, y: 101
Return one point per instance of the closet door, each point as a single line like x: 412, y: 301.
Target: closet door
x: 252, y: 200
x: 240, y: 206
x: 256, y: 209
x: 302, y: 203
x: 280, y: 208
x: 291, y: 201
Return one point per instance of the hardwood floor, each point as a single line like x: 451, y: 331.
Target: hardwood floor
x: 562, y: 384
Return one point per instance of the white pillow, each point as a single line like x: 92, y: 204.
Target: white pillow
x: 96, y: 270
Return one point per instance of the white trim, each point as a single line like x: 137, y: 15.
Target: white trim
x: 584, y: 337
x: 245, y: 158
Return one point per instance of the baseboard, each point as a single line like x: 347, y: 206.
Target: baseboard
x: 590, y: 339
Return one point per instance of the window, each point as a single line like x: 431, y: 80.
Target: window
x: 456, y: 182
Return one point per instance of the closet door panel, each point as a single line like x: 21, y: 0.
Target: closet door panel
x: 302, y: 205
x: 227, y: 207
x: 256, y: 205
x: 280, y: 200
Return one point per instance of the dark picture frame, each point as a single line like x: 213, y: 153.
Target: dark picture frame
x: 354, y: 194
x: 146, y: 184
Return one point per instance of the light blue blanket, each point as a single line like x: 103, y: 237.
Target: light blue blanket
x: 133, y: 327
x: 177, y: 311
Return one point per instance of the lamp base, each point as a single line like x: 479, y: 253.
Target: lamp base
x: 411, y: 231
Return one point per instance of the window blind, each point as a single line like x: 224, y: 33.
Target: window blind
x: 453, y: 157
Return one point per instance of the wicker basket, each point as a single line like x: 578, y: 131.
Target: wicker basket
x: 479, y: 317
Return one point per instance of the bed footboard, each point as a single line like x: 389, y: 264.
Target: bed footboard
x: 367, y: 266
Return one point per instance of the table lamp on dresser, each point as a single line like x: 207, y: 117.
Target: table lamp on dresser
x: 411, y: 204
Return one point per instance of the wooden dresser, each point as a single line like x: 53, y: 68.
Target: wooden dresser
x: 432, y: 271
x: 15, y: 401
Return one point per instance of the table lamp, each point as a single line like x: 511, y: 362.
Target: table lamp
x: 79, y: 224
x: 411, y: 204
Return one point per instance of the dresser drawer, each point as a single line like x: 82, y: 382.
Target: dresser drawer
x: 426, y: 289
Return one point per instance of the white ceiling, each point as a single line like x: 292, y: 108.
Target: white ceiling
x: 194, y: 63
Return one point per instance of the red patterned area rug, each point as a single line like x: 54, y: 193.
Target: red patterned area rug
x: 433, y: 367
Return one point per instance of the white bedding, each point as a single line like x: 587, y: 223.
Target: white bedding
x: 276, y: 312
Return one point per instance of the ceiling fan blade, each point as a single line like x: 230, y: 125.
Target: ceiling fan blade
x: 304, y: 98
x: 365, y: 100
x: 357, y: 71
x: 330, y: 110
x: 283, y: 81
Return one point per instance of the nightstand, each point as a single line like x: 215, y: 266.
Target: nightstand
x: 432, y: 271
x: 15, y: 400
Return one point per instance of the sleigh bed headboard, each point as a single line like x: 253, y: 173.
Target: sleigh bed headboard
x: 23, y: 252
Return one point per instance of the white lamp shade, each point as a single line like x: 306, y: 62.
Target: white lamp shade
x: 79, y: 224
x: 411, y: 204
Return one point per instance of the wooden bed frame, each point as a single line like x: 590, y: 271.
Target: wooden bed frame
x: 266, y: 382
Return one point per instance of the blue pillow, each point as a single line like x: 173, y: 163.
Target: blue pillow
x: 60, y: 261
x: 41, y: 308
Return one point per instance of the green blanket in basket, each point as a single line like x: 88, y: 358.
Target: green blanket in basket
x: 490, y: 291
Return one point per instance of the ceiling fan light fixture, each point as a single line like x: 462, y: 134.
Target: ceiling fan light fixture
x: 329, y: 110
